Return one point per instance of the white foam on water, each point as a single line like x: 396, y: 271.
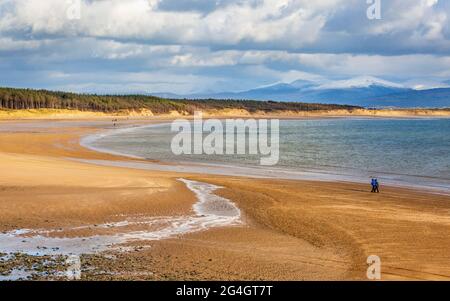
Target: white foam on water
x: 209, y: 211
x: 16, y: 274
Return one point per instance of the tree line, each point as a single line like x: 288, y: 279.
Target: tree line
x: 25, y: 99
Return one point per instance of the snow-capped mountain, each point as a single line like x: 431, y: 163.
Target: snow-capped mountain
x: 364, y: 91
x: 360, y: 82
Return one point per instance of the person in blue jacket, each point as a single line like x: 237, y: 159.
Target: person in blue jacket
x: 373, y: 183
x: 377, y: 186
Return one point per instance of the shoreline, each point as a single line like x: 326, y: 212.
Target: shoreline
x: 207, y: 215
x: 432, y: 184
x: 294, y: 230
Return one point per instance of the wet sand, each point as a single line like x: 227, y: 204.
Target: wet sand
x: 290, y: 230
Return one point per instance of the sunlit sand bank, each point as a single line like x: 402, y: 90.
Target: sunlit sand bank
x: 75, y: 114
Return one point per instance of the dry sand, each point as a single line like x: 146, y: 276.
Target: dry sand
x: 292, y: 230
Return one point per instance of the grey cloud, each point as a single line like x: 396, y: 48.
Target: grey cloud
x: 218, y: 45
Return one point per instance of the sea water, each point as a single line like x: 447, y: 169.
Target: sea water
x: 406, y: 151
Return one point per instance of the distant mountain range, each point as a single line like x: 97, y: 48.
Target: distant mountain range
x: 360, y: 91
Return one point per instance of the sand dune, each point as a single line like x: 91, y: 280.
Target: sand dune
x: 55, y: 114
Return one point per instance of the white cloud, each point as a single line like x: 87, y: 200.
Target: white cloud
x: 323, y: 63
x: 419, y: 18
x: 287, y: 21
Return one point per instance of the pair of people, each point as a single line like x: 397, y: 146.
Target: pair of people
x: 375, y: 186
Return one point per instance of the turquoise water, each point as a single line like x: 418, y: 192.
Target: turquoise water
x: 389, y: 148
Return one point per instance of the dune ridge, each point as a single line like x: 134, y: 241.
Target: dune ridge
x: 146, y: 113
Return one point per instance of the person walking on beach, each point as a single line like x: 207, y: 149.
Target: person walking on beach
x: 373, y: 183
x: 377, y: 186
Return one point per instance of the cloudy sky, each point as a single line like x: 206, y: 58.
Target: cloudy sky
x: 190, y: 46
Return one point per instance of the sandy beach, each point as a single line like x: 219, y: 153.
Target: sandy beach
x: 288, y: 230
